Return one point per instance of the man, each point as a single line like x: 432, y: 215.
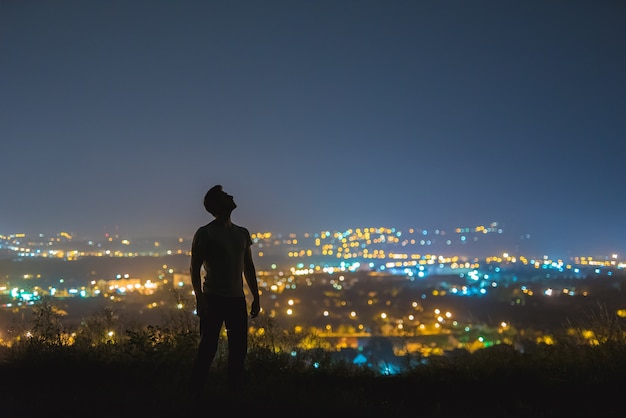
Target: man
x: 223, y: 250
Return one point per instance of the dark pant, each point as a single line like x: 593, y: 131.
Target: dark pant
x: 232, y: 312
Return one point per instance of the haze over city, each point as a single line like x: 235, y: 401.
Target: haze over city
x: 118, y: 116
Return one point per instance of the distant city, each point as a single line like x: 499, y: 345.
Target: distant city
x: 474, y: 284
x: 371, y: 248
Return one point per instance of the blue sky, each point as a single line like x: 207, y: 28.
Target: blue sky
x: 316, y: 115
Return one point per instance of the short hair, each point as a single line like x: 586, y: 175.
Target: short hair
x: 210, y: 198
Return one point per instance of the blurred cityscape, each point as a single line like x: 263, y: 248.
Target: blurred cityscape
x: 419, y: 291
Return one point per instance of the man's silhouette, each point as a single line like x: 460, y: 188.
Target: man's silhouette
x: 223, y: 250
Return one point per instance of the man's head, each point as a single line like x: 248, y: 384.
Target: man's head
x: 217, y: 201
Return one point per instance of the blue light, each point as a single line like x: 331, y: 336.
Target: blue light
x: 359, y: 359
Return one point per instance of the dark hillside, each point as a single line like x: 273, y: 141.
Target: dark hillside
x: 497, y: 382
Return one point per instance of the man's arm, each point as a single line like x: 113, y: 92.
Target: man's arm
x: 249, y: 272
x: 195, y: 271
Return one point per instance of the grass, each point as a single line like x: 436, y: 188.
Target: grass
x: 144, y: 371
x: 550, y: 381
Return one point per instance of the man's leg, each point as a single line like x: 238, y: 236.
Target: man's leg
x: 210, y: 328
x: 237, y: 329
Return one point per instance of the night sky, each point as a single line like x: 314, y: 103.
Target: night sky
x: 117, y: 116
